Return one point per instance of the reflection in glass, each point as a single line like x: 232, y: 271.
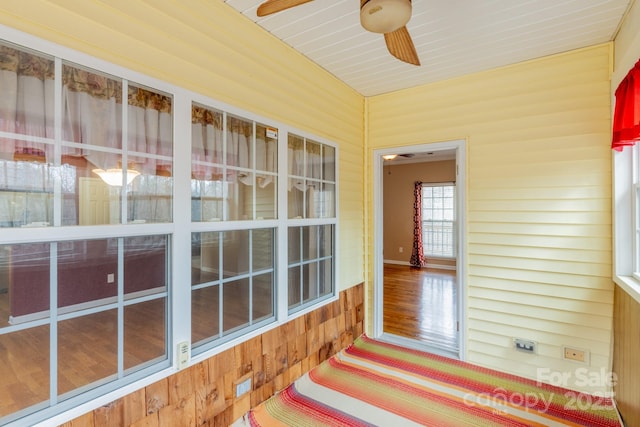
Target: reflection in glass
x: 310, y: 264
x: 84, y: 267
x: 149, y: 198
x: 310, y: 279
x: 24, y: 369
x: 326, y: 277
x: 262, y: 297
x: 92, y: 337
x: 27, y: 104
x: 262, y: 248
x: 294, y: 244
x: 145, y: 258
x: 236, y: 305
x: 144, y: 333
x: 205, y: 314
x: 205, y: 257
x: 328, y: 163
x: 235, y: 255
x: 293, y: 287
x: 24, y: 282
x: 26, y: 193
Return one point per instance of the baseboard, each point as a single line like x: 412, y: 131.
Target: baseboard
x: 429, y: 265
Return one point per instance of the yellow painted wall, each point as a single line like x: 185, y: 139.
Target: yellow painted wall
x: 626, y: 46
x: 207, y: 47
x: 538, y: 205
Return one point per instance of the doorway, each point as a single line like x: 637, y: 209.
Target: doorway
x: 420, y: 307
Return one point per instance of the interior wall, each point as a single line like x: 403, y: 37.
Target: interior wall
x: 397, y: 212
x: 538, y: 208
x: 209, y: 48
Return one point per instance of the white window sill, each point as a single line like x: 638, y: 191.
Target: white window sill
x: 630, y: 285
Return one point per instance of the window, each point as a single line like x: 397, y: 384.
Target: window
x: 92, y: 229
x: 233, y: 178
x: 72, y: 302
x: 627, y: 219
x: 439, y: 220
x: 311, y: 200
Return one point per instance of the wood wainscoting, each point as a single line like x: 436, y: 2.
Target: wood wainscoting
x: 626, y: 356
x: 203, y: 394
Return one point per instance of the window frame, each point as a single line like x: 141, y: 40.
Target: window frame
x: 179, y: 232
x: 454, y: 222
x: 626, y: 219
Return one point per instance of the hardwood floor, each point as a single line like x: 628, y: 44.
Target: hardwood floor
x: 421, y: 304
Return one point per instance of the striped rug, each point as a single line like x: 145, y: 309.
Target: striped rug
x: 372, y: 383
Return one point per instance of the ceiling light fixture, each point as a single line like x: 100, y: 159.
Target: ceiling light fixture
x: 113, y: 177
x: 389, y: 156
x: 384, y: 16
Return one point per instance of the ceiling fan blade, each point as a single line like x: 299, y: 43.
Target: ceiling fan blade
x: 273, y: 6
x: 401, y: 46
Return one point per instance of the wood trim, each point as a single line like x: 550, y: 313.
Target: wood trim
x: 626, y: 356
x: 203, y: 394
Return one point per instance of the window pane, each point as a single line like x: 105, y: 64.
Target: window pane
x: 149, y: 199
x: 145, y: 261
x: 326, y: 277
x: 310, y: 277
x: 266, y: 197
x: 240, y: 195
x: 87, y: 345
x: 263, y: 297
x: 295, y: 297
x: 294, y: 244
x: 326, y: 240
x: 235, y: 305
x: 262, y: 249
x: 144, y: 333
x: 438, y: 220
x: 205, y: 314
x: 266, y: 150
x: 205, y: 257
x: 314, y: 160
x: 24, y: 369
x: 92, y: 112
x: 235, y: 255
x: 26, y: 193
x: 328, y: 163
x: 95, y: 202
x: 25, y: 270
x: 87, y: 273
x: 310, y: 242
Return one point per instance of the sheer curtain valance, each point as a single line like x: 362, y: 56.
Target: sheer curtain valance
x: 626, y: 116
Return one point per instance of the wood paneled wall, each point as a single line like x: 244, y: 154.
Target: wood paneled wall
x: 626, y: 356
x: 203, y: 394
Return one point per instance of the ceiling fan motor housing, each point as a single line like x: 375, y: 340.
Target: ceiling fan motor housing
x: 384, y: 16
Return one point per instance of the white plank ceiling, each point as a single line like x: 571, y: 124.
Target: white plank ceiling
x: 452, y: 37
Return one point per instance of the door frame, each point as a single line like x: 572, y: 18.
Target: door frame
x: 378, y: 259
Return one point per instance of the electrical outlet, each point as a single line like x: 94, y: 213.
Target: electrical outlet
x: 526, y: 346
x: 243, y: 385
x: 576, y: 354
x: 401, y: 249
x: 111, y: 278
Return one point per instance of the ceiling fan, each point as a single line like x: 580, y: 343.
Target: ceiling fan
x: 388, y: 17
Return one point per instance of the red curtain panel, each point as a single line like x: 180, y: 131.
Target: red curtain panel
x: 626, y: 116
x: 417, y: 255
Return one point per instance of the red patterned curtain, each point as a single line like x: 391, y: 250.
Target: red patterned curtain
x: 417, y: 255
x: 626, y: 116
